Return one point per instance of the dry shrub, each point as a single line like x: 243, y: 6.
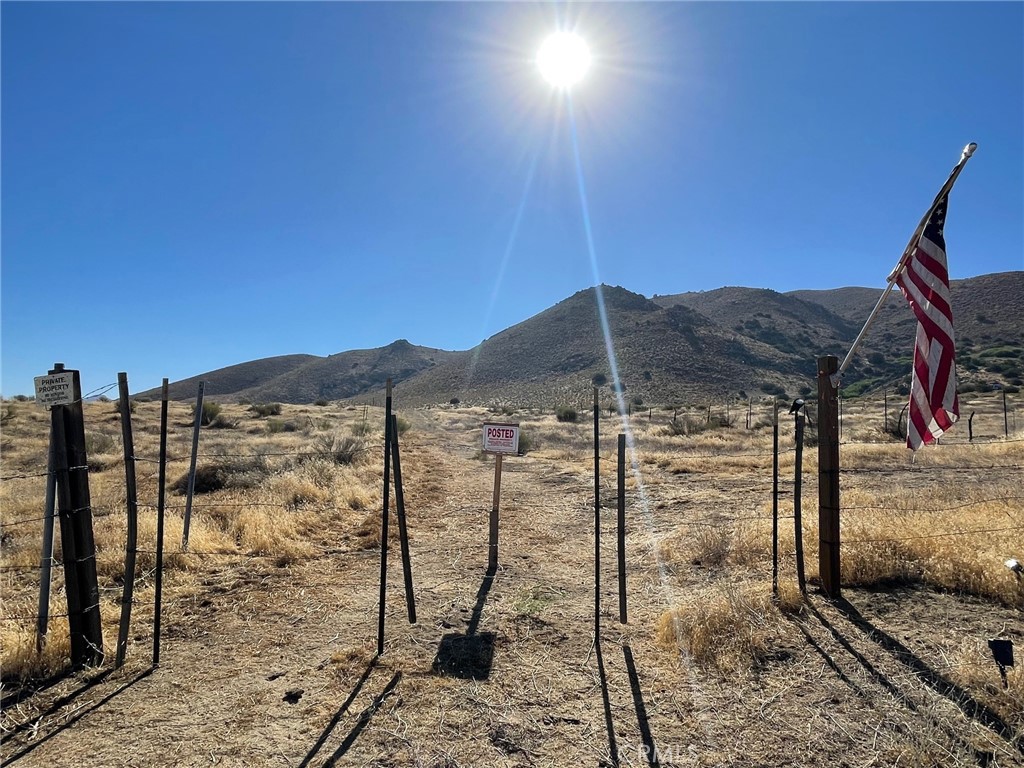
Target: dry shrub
x: 730, y: 627
x: 973, y: 669
x: 18, y: 656
x: 263, y: 531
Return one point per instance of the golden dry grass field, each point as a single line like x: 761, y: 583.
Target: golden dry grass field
x: 270, y: 618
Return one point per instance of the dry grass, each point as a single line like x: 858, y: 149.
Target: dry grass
x: 731, y: 628
x: 270, y: 490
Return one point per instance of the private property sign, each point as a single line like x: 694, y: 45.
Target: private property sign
x: 501, y: 438
x: 55, y: 389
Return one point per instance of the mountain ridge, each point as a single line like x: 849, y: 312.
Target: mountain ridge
x: 728, y: 342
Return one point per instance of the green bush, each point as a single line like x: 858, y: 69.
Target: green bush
x: 454, y: 401
x: 266, y: 409
x: 341, y: 450
x: 223, y: 422
x: 565, y: 413
x: 211, y: 411
x: 322, y: 401
x: 526, y: 443
x: 361, y: 428
x: 402, y: 424
x: 599, y: 379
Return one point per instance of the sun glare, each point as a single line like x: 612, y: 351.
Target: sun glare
x: 563, y: 59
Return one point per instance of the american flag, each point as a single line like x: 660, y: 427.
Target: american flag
x: 924, y: 280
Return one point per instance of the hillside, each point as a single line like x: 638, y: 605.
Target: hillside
x: 729, y: 342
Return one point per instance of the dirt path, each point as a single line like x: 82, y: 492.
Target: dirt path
x: 275, y: 666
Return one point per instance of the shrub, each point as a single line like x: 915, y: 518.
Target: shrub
x: 99, y: 442
x: 565, y: 413
x: 223, y: 422
x: 211, y: 411
x: 322, y: 401
x: 274, y: 426
x: 402, y: 424
x: 526, y: 443
x: 361, y: 428
x: 599, y: 379
x: 341, y: 450
x: 240, y: 473
x: 266, y: 409
x: 454, y: 401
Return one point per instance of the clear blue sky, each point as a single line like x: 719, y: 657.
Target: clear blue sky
x: 192, y: 185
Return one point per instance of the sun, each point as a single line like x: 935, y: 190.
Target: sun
x: 563, y: 59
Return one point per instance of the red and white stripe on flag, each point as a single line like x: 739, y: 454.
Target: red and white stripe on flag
x: 934, y: 406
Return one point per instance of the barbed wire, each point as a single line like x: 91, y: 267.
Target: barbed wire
x: 929, y: 468
x: 891, y: 508
x: 968, y: 532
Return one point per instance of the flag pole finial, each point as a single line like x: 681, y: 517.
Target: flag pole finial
x: 969, y: 149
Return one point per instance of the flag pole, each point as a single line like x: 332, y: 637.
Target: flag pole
x: 968, y: 151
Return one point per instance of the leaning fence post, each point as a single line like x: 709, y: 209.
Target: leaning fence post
x: 403, y: 531
x: 160, y: 496
x: 797, y: 499
x: 384, y: 520
x: 46, y: 558
x: 131, y: 498
x: 828, y: 477
x: 192, y: 465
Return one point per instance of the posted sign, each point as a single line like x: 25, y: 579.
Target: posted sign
x: 55, y: 389
x: 501, y: 438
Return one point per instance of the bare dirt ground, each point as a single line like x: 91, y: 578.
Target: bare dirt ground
x: 275, y: 666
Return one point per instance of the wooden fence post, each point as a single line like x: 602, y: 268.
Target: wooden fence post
x: 160, y: 497
x: 492, y: 527
x: 131, y: 501
x: 384, y: 520
x: 76, y: 525
x: 197, y: 423
x: 403, y: 531
x: 970, y: 428
x: 797, y: 501
x: 828, y: 477
x: 1006, y: 423
x: 621, y: 539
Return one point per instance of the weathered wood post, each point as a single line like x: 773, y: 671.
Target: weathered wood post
x: 131, y: 501
x: 828, y: 477
x: 970, y: 428
x: 77, y: 543
x: 1006, y: 423
x: 492, y: 532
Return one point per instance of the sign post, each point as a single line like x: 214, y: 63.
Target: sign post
x: 499, y: 439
